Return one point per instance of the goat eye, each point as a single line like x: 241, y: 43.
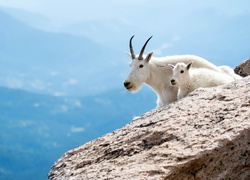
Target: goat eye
x: 141, y: 66
x: 182, y: 71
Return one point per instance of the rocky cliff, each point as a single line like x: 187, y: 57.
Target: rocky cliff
x: 204, y: 136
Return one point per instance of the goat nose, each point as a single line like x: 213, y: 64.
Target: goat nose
x: 172, y: 80
x: 126, y: 84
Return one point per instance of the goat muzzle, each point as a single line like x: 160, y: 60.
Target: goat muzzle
x: 173, y: 82
x: 126, y: 83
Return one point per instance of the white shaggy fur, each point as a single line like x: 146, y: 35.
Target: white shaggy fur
x: 188, y: 79
x: 230, y: 71
x: 155, y: 72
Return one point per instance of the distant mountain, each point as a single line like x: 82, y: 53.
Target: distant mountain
x: 32, y: 19
x: 37, y: 129
x: 220, y: 39
x: 55, y: 63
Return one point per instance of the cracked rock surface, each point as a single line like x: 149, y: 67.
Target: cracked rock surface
x: 205, y: 136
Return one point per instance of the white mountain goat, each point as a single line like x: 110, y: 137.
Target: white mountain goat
x: 155, y: 72
x: 187, y: 79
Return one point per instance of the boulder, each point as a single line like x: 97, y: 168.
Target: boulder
x: 243, y: 69
x: 205, y: 136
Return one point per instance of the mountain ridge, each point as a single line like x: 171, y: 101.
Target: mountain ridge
x: 53, y: 63
x: 36, y: 128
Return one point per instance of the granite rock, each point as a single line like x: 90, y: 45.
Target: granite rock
x: 204, y: 136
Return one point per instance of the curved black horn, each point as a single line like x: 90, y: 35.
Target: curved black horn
x: 131, y: 48
x: 143, y: 48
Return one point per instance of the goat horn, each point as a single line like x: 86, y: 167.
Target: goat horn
x: 143, y: 48
x: 131, y: 48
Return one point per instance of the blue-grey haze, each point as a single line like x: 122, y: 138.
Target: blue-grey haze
x: 61, y: 83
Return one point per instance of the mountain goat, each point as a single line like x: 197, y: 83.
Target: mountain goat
x: 228, y: 70
x: 155, y: 72
x: 188, y: 79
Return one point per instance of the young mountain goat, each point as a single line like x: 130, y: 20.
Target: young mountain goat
x: 156, y: 73
x: 188, y: 79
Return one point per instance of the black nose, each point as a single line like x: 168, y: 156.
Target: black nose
x: 126, y: 84
x: 172, y: 80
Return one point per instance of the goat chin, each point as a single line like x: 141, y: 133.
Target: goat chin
x: 134, y: 88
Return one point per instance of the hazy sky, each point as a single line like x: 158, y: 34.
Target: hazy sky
x: 98, y: 9
x: 113, y: 22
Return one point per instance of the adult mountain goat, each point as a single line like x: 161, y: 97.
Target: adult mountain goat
x: 155, y: 72
x: 187, y: 79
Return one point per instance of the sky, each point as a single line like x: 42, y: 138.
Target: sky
x: 77, y: 10
x: 113, y: 22
x: 148, y: 14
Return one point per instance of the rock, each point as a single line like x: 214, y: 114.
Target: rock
x: 243, y: 69
x: 205, y: 136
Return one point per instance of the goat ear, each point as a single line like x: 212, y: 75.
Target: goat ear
x: 148, y: 57
x: 189, y: 65
x: 128, y: 53
x: 171, y: 65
